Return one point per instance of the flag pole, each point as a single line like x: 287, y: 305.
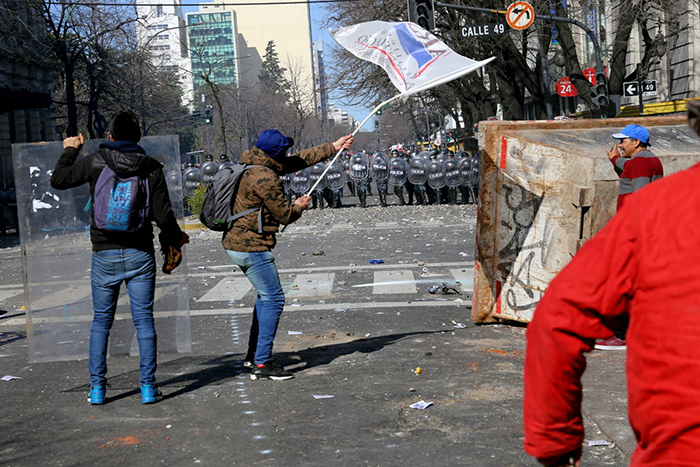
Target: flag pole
x: 328, y: 166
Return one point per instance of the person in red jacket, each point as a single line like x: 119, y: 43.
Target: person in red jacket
x: 637, y: 167
x: 644, y: 265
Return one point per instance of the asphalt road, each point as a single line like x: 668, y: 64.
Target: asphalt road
x: 353, y: 333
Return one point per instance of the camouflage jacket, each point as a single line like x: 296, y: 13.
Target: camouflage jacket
x: 262, y: 186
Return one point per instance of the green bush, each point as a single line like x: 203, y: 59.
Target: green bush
x: 196, y: 201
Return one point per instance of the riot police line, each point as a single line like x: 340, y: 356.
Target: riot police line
x: 426, y: 178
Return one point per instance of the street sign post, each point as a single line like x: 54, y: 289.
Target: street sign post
x: 520, y: 15
x: 630, y: 89
x: 649, y: 88
x: 480, y: 30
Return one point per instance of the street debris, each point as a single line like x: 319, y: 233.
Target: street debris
x: 459, y: 325
x: 421, y: 405
x: 599, y: 442
x: 9, y: 378
x: 463, y: 254
x: 376, y: 261
x: 418, y: 370
x: 319, y: 253
x: 443, y: 289
x: 295, y: 333
x: 323, y: 396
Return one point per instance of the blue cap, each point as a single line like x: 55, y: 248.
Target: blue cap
x: 273, y: 143
x: 634, y: 132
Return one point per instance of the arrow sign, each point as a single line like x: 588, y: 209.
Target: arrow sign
x: 630, y: 89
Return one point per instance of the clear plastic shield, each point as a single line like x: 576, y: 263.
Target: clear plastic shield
x: 359, y: 166
x: 425, y: 155
x: 209, y: 170
x: 315, y: 172
x: 335, y: 177
x: 474, y: 172
x: 416, y: 170
x: 397, y: 172
x: 300, y: 181
x: 436, y: 174
x: 379, y: 167
x: 192, y: 179
x: 453, y: 175
x: 57, y: 253
x: 286, y: 182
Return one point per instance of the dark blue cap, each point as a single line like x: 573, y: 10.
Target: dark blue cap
x: 273, y: 143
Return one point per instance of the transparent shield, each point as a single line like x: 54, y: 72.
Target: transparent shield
x: 359, y: 166
x: 416, y: 170
x: 379, y: 167
x: 397, y: 172
x: 465, y: 166
x: 57, y: 252
x: 335, y: 177
x: 436, y: 174
x: 300, y: 181
x: 286, y: 182
x: 453, y: 175
x: 315, y: 172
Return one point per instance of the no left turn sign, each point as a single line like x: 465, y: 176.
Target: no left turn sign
x: 520, y: 15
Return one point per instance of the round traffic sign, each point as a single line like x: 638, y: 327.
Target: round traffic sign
x: 520, y: 15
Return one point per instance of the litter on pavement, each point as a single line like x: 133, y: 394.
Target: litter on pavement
x: 376, y: 261
x: 599, y: 442
x: 421, y: 405
x: 323, y: 396
x: 443, y: 289
x: 9, y: 378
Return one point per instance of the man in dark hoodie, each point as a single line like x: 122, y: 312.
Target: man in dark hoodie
x: 123, y: 256
x: 251, y: 250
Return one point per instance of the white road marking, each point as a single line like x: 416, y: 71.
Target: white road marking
x: 394, y: 282
x: 465, y: 277
x: 230, y: 288
x: 311, y: 285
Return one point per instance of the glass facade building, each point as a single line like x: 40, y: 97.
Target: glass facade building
x: 213, y: 47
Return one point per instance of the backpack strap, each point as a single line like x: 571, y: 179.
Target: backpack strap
x: 229, y: 220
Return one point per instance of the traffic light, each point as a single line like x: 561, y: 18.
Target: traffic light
x: 422, y: 12
x: 207, y: 116
x: 376, y: 124
x: 601, y: 95
x: 379, y: 112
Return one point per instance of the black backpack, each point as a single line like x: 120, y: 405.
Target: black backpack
x: 217, y: 210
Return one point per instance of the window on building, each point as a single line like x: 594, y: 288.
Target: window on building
x: 159, y: 10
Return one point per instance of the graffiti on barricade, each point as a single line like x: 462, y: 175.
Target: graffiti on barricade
x: 515, y: 260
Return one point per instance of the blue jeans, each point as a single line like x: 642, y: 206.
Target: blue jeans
x: 109, y: 269
x: 260, y: 269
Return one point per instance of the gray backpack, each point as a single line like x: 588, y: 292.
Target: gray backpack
x: 217, y: 209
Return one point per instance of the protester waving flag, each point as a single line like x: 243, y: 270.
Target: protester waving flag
x: 414, y: 59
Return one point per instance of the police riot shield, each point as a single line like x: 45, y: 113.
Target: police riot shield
x: 465, y: 166
x: 436, y: 174
x: 335, y: 177
x: 474, y: 172
x: 57, y: 254
x: 192, y: 180
x: 209, y: 170
x: 453, y: 175
x: 416, y: 170
x: 300, y: 181
x: 286, y: 182
x: 315, y: 172
x: 425, y: 155
x: 359, y: 166
x: 379, y: 167
x: 397, y: 172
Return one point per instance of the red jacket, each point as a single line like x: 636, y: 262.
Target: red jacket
x: 645, y: 263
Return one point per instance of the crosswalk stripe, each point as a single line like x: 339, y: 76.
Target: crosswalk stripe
x: 230, y: 288
x: 394, y: 282
x: 464, y: 277
x: 5, y: 294
x: 311, y: 285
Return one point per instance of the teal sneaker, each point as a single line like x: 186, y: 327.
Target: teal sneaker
x: 150, y: 394
x: 97, y: 394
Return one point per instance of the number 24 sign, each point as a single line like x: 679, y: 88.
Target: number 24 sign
x: 565, y: 88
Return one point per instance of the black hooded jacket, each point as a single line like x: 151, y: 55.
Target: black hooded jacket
x: 126, y: 159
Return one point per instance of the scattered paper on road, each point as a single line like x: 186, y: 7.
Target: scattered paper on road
x: 599, y: 442
x: 421, y: 405
x: 323, y: 396
x: 459, y: 326
x: 294, y: 333
x: 9, y: 378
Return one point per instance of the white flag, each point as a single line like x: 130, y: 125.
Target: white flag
x: 414, y: 59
